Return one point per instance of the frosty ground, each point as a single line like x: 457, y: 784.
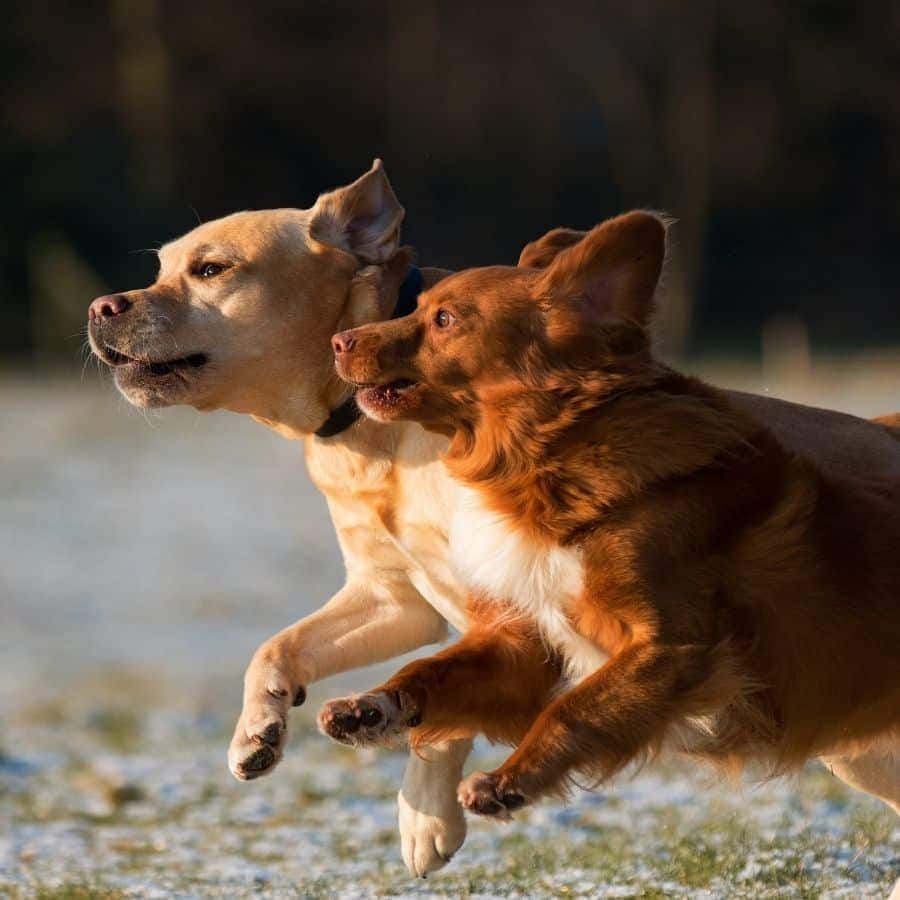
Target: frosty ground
x: 142, y: 561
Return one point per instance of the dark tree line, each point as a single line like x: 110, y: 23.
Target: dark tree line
x: 770, y: 130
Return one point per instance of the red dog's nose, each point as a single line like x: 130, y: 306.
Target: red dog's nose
x: 343, y: 343
x: 107, y: 306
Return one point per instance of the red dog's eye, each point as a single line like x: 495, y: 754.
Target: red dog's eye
x: 443, y: 319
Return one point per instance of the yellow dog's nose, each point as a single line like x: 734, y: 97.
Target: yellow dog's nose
x: 107, y: 306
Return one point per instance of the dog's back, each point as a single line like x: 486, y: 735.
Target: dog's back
x: 837, y: 627
x: 839, y: 444
x: 891, y: 423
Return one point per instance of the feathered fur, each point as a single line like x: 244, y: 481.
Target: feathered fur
x: 746, y: 599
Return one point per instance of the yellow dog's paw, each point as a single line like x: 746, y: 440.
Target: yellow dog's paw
x: 261, y: 731
x: 428, y: 840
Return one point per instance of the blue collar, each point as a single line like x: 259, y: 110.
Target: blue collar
x: 348, y: 412
x: 408, y: 296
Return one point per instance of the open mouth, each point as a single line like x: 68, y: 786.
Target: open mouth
x: 385, y: 396
x: 117, y: 360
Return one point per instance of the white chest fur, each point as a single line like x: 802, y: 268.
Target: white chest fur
x: 539, y: 581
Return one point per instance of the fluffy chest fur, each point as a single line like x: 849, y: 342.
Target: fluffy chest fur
x: 390, y: 499
x: 538, y: 581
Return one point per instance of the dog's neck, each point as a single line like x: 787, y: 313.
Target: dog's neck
x: 558, y: 459
x: 332, y: 413
x: 344, y: 414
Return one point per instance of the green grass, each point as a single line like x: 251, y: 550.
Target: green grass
x: 128, y: 798
x: 119, y: 729
x: 71, y: 891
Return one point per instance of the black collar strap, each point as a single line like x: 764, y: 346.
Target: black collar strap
x: 348, y: 412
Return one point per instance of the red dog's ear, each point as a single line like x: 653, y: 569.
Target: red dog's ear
x: 363, y: 218
x: 540, y: 253
x: 613, y: 271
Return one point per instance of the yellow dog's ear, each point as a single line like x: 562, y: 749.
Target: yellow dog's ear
x: 374, y: 289
x: 363, y: 218
x: 540, y: 253
x: 611, y: 273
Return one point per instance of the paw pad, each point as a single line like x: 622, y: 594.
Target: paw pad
x: 258, y: 761
x: 483, y: 795
x: 371, y: 717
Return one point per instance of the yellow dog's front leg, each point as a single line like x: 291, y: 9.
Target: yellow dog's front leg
x: 367, y: 621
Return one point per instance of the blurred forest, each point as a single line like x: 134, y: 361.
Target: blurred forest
x: 770, y: 130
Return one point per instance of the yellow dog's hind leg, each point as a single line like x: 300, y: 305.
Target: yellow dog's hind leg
x: 877, y: 772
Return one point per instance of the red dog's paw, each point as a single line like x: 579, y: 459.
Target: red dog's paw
x: 490, y: 795
x: 378, y: 718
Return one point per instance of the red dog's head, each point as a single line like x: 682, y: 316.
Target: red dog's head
x: 484, y: 332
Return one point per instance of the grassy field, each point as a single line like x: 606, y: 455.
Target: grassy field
x: 142, y: 559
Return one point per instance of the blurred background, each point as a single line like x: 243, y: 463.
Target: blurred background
x: 768, y: 129
x: 144, y: 557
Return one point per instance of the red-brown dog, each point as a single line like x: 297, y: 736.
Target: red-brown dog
x: 697, y: 580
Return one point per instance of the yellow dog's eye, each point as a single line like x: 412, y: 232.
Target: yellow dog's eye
x: 210, y: 270
x: 444, y: 319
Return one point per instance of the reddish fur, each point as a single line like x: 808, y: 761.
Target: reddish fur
x: 725, y: 574
x: 540, y: 253
x: 500, y: 663
x: 892, y: 423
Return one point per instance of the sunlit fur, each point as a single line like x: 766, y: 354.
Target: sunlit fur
x: 532, y: 576
x: 747, y: 595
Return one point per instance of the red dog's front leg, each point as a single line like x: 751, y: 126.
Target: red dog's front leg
x: 494, y: 681
x: 598, y: 726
